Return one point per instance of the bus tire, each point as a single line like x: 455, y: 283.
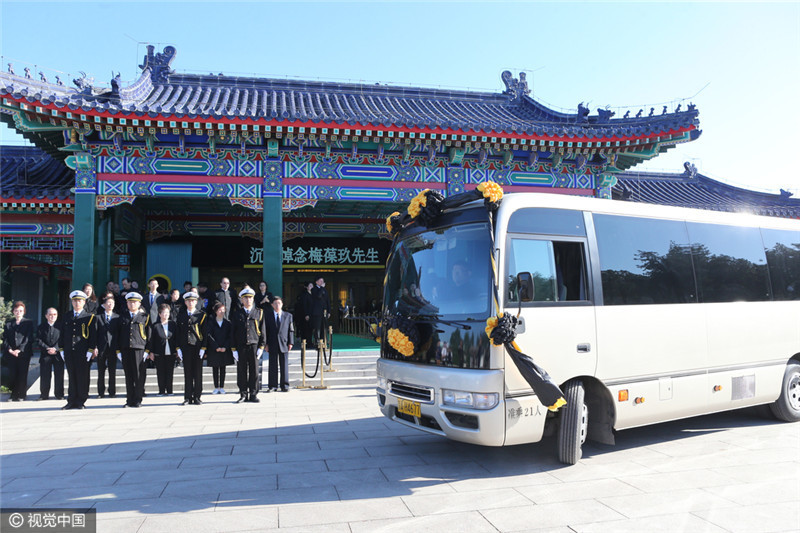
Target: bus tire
x: 787, y: 406
x: 574, y: 423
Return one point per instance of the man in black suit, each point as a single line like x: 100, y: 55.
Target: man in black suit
x: 280, y: 337
x: 152, y: 300
x: 108, y: 324
x: 249, y: 339
x: 49, y: 339
x: 226, y: 297
x: 79, y: 339
x: 320, y: 308
x: 134, y: 332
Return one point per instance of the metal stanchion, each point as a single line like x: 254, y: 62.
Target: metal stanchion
x: 321, y: 345
x: 330, y: 347
x: 303, y: 364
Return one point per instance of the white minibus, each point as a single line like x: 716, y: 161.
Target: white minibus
x: 640, y: 313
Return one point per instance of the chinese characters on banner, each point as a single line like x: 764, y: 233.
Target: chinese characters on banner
x: 318, y: 255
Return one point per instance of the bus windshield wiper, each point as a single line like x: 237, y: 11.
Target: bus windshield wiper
x: 436, y: 319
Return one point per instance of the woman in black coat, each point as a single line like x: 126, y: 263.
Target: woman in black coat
x: 219, y: 339
x: 162, y: 349
x: 18, y: 338
x: 263, y: 299
x: 91, y: 306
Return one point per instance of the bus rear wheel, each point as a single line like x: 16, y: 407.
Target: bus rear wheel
x: 787, y: 406
x: 574, y: 423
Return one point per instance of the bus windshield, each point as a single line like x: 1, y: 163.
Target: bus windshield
x: 443, y: 273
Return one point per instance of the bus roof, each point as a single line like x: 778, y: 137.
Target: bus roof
x: 514, y: 201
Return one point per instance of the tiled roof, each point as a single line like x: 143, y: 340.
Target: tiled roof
x: 701, y: 192
x: 27, y: 172
x: 162, y: 92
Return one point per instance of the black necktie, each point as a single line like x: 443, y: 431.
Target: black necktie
x: 278, y: 321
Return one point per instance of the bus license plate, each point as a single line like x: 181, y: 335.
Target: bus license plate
x: 408, y: 407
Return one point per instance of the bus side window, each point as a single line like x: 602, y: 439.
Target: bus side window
x: 557, y: 268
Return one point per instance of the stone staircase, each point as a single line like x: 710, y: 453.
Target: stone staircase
x: 351, y: 368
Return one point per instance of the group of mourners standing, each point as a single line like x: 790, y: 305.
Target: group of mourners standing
x: 224, y: 329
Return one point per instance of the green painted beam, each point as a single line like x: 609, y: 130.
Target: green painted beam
x: 272, y: 269
x: 84, y: 240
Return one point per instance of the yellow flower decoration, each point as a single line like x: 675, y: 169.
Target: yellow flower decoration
x: 556, y: 406
x: 491, y: 323
x: 389, y: 221
x: 400, y: 342
x: 373, y: 330
x: 491, y: 190
x: 417, y: 203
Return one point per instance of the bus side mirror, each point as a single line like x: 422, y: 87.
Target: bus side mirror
x: 525, y: 286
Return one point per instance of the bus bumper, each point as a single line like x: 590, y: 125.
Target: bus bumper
x: 406, y: 390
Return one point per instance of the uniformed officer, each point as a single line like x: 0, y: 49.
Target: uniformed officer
x: 79, y: 339
x: 134, y: 332
x: 190, y: 323
x: 249, y: 338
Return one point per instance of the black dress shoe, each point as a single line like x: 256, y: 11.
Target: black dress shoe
x: 59, y: 397
x: 186, y: 402
x: 101, y: 395
x: 68, y: 406
x: 79, y: 407
x: 198, y: 401
x: 112, y: 395
x: 254, y: 398
x: 284, y: 389
x: 42, y: 398
x: 241, y: 399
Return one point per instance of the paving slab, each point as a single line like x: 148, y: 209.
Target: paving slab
x: 327, y: 461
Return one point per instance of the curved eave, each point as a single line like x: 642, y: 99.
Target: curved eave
x: 545, y: 133
x: 252, y: 101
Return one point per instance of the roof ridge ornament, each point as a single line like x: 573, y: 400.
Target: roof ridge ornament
x: 515, y: 88
x: 159, y: 63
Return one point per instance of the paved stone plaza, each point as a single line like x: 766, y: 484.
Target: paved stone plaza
x: 325, y: 460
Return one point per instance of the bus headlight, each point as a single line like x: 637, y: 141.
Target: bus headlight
x: 382, y: 382
x: 472, y: 400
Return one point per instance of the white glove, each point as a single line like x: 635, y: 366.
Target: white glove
x: 236, y: 356
x: 202, y: 353
x: 180, y: 355
x: 260, y: 352
x: 62, y: 356
x: 144, y: 357
x: 88, y: 356
x: 119, y: 356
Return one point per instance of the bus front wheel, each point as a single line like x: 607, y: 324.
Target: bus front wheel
x: 787, y: 406
x: 574, y: 423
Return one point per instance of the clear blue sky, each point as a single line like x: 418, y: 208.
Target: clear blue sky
x: 744, y: 56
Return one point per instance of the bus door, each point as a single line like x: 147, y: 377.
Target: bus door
x: 558, y: 326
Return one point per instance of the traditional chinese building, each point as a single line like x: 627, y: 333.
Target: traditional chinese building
x: 193, y: 177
